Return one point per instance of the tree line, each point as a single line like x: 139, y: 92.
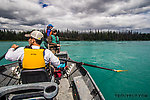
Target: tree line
x: 81, y: 36
x: 104, y: 36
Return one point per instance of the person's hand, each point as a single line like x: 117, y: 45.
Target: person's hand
x: 14, y: 46
x: 58, y: 45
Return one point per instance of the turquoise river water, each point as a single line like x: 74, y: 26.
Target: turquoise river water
x: 133, y: 56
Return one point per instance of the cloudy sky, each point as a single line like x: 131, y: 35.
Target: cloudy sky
x: 76, y: 14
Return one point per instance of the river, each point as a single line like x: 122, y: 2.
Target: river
x: 133, y: 56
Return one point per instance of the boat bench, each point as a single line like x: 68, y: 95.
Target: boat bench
x: 82, y: 89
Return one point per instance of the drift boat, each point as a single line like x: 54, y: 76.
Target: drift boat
x: 74, y: 84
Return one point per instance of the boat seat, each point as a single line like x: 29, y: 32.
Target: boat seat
x: 82, y: 89
x: 34, y: 76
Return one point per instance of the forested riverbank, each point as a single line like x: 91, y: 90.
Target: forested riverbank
x: 81, y: 36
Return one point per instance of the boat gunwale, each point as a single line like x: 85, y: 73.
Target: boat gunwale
x: 91, y: 79
x: 94, y: 84
x: 9, y: 64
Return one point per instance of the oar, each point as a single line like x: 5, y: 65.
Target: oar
x: 2, y: 56
x: 93, y: 65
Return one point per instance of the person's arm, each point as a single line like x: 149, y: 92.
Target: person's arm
x: 52, y: 58
x: 53, y: 44
x: 13, y: 54
x: 58, y: 41
x: 50, y: 41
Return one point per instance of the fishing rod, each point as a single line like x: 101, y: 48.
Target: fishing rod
x: 92, y: 65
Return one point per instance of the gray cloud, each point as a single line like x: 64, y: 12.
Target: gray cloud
x: 75, y: 14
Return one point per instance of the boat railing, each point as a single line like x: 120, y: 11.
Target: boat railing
x: 94, y: 90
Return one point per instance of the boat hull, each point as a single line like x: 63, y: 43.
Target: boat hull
x: 75, y: 84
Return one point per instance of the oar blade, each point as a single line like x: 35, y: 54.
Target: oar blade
x: 120, y: 70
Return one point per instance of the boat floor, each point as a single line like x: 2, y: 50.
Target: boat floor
x: 65, y: 92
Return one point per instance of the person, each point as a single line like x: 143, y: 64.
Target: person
x: 32, y: 56
x: 49, y: 28
x: 53, y: 41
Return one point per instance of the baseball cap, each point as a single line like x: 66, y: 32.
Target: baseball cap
x: 51, y: 25
x: 54, y: 30
x: 35, y: 34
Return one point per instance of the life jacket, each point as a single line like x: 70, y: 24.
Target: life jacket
x: 55, y: 39
x: 50, y: 32
x: 33, y: 58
